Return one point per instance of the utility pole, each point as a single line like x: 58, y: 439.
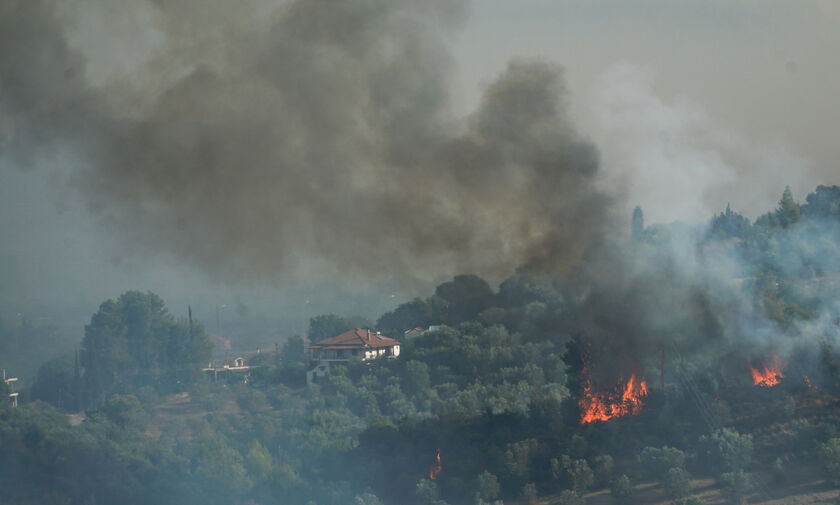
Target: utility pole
x: 13, y: 396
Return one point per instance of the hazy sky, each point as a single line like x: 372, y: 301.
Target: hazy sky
x: 692, y: 104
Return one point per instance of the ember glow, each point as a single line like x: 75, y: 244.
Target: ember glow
x: 436, y: 467
x: 769, y: 375
x: 603, y: 405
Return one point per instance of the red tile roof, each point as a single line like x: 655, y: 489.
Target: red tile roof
x: 355, y: 339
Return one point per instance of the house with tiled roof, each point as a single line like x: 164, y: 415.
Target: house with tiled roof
x: 357, y: 343
x: 418, y: 331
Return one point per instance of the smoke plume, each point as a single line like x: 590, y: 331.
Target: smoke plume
x: 256, y: 140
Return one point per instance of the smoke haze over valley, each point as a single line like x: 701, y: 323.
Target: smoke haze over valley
x: 376, y: 144
x: 500, y: 252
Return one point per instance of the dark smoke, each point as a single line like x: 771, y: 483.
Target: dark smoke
x: 259, y: 140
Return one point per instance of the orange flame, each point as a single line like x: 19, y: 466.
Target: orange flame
x: 769, y: 375
x: 601, y: 406
x: 811, y: 387
x: 436, y: 468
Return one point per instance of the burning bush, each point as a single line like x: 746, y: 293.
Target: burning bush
x: 625, y: 400
x: 768, y: 375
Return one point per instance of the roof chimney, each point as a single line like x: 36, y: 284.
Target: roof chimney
x: 368, y: 334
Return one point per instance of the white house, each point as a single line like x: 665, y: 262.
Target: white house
x: 357, y: 343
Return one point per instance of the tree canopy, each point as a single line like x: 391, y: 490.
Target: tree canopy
x: 134, y: 341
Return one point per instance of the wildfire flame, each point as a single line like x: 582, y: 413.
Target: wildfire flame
x: 601, y: 406
x: 768, y: 375
x: 436, y: 467
x: 811, y: 387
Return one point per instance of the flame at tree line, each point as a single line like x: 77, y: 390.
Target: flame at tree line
x: 625, y: 400
x: 436, y: 467
x: 768, y: 375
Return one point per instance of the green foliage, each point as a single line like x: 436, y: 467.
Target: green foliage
x: 293, y: 350
x: 487, y: 486
x: 126, y: 412
x: 568, y: 497
x: 778, y: 471
x: 787, y: 213
x: 829, y: 454
x: 621, y: 491
x: 655, y: 462
x: 517, y: 456
x: 727, y: 450
x: 677, y: 482
x: 417, y: 379
x: 133, y: 342
x: 528, y: 494
x: 824, y: 203
x: 604, y: 467
x: 58, y: 382
x: 736, y: 486
x: 580, y: 475
x: 367, y: 499
x: 688, y: 500
x: 729, y: 224
x: 258, y: 462
x: 427, y: 493
x: 46, y: 461
x: 211, y: 456
x: 495, y: 388
x: 333, y: 430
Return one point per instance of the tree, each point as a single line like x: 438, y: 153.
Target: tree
x: 134, y: 341
x: 126, y: 412
x: 487, y: 486
x: 569, y: 497
x: 829, y: 453
x: 57, y: 383
x: 656, y: 461
x: 788, y: 211
x: 729, y: 224
x: 728, y: 450
x: 677, y: 482
x: 579, y: 476
x: 529, y: 493
x: 622, y: 491
x: 824, y: 202
x: 258, y: 462
x: 689, y: 500
x: 786, y: 214
x: 736, y: 486
x: 427, y: 493
x: 367, y: 499
x: 417, y: 377
x: 293, y: 349
x: 210, y: 457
